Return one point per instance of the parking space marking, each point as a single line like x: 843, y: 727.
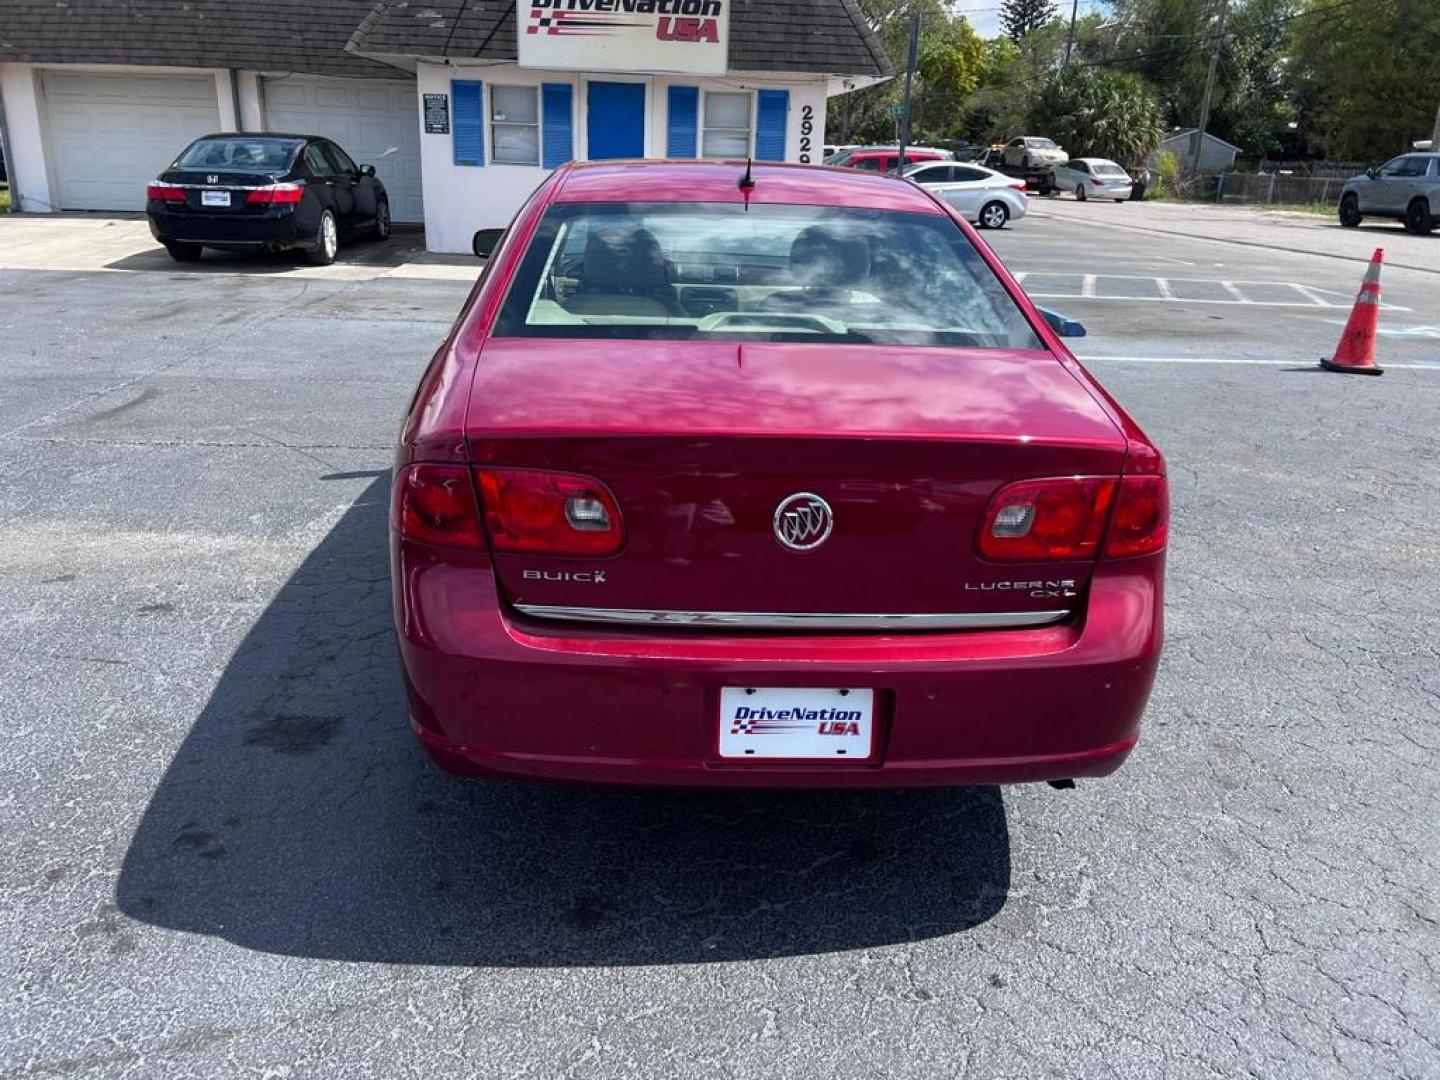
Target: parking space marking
x: 1175, y: 290
x: 1246, y: 361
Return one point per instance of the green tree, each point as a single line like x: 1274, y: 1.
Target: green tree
x: 1020, y: 17
x: 950, y: 62
x: 1364, y: 77
x: 1094, y: 112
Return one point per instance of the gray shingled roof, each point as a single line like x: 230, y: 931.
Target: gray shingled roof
x: 828, y: 36
x: 263, y: 35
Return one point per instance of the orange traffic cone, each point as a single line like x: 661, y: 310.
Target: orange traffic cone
x: 1355, y: 354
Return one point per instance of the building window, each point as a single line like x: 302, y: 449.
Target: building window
x: 727, y: 126
x: 515, y: 124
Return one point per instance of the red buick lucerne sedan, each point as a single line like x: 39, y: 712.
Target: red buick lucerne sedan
x: 768, y: 478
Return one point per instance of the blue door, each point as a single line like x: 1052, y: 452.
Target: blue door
x: 615, y: 120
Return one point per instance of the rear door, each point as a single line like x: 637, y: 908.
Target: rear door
x: 970, y: 190
x: 341, y: 183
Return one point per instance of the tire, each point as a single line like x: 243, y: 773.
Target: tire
x: 994, y: 215
x: 1122, y: 200
x: 327, y: 241
x: 382, y: 220
x: 1418, y: 219
x: 183, y: 252
x: 1080, y: 195
x: 1350, y: 211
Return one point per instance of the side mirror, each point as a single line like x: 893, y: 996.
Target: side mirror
x: 484, y: 243
x: 367, y: 170
x: 1373, y: 171
x: 1063, y: 324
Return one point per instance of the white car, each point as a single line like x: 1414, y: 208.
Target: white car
x: 1092, y: 177
x: 1033, y: 152
x: 982, y: 195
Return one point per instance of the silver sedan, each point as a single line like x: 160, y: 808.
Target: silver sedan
x: 1097, y: 178
x: 981, y: 195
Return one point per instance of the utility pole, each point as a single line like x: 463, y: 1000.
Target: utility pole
x: 1070, y: 37
x: 1197, y: 138
x: 1435, y: 134
x: 911, y: 59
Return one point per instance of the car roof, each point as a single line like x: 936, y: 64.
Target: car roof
x: 1096, y: 160
x: 278, y: 136
x: 718, y: 182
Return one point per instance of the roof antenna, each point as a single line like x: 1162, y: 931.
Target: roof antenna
x: 747, y: 181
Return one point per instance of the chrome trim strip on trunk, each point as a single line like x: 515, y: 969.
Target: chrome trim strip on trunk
x: 777, y: 620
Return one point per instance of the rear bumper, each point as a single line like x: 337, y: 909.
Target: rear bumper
x: 492, y: 695
x: 275, y: 230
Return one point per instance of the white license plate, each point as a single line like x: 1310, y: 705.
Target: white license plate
x: 766, y: 722
x: 214, y: 198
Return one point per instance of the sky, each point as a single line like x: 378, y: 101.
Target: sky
x: 984, y: 15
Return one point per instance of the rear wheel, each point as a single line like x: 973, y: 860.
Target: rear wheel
x: 327, y: 241
x: 1349, y: 211
x: 1080, y: 192
x: 382, y: 220
x: 1418, y: 219
x: 182, y: 252
x: 993, y: 215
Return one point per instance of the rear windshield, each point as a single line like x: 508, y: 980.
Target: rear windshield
x: 1106, y: 169
x: 712, y: 271
x: 242, y: 155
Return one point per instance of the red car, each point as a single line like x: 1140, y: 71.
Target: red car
x: 769, y: 479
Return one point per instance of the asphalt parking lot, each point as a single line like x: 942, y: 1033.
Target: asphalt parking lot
x: 220, y: 853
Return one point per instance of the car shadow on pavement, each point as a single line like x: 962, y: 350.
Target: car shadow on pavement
x: 298, y: 817
x: 406, y: 244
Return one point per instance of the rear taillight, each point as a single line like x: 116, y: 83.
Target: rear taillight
x: 1140, y: 522
x: 549, y: 513
x: 276, y: 194
x: 1066, y: 517
x: 1060, y: 517
x: 435, y: 504
x: 1019, y: 185
x: 166, y: 192
x: 1097, y: 183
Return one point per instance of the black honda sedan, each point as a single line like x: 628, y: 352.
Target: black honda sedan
x: 265, y: 192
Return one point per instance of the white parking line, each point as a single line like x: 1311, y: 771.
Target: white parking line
x: 1241, y: 360
x: 1171, y: 290
x: 1315, y: 297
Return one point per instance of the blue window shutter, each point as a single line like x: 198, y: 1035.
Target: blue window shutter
x: 467, y: 121
x: 771, y: 113
x: 682, y: 125
x: 558, y: 144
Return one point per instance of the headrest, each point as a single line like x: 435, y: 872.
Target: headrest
x: 623, y: 259
x: 821, y: 258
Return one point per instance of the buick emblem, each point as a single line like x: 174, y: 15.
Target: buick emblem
x: 803, y: 521
x: 212, y: 179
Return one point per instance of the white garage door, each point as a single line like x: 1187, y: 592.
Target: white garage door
x: 375, y: 121
x: 112, y: 134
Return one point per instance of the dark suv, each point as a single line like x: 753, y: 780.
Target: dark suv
x: 265, y: 192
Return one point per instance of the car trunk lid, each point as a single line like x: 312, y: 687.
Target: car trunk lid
x: 702, y: 443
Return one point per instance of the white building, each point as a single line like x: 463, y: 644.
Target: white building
x: 460, y: 121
